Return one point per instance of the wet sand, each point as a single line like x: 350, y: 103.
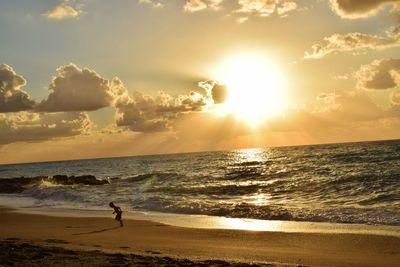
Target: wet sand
x: 48, y: 240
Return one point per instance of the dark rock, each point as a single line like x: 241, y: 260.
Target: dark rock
x: 60, y: 179
x: 17, y: 185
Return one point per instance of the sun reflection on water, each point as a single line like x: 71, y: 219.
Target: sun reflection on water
x: 251, y: 155
x: 259, y: 199
x: 247, y: 224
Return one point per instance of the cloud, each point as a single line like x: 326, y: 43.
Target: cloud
x: 194, y: 5
x: 32, y: 127
x: 217, y: 92
x: 379, y: 74
x: 349, y: 106
x: 76, y: 89
x: 265, y: 8
x: 286, y: 7
x: 154, y: 4
x: 64, y: 11
x: 12, y: 98
x: 395, y: 98
x: 336, y: 113
x: 198, y: 5
x: 143, y: 113
x: 354, y: 9
x: 353, y: 42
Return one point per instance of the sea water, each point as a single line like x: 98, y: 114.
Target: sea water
x: 337, y: 183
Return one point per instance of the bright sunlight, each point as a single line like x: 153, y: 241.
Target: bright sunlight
x: 256, y: 88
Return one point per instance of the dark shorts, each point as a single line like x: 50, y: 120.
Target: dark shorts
x: 118, y: 217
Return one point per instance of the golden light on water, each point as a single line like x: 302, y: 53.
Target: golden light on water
x: 259, y: 199
x: 251, y: 154
x: 248, y: 224
x: 256, y: 87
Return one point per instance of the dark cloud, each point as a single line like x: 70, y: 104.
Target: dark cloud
x: 353, y: 9
x: 32, y: 127
x: 219, y: 93
x: 76, y: 89
x: 12, y: 98
x: 379, y: 74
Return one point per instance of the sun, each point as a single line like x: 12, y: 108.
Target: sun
x: 256, y: 87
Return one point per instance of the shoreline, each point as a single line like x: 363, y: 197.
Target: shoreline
x: 142, y: 236
x: 224, y: 223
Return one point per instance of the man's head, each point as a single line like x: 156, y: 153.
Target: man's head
x: 111, y: 205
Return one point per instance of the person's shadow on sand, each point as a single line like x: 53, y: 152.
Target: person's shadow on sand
x: 98, y: 231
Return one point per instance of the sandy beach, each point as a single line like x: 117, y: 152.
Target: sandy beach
x: 153, y: 243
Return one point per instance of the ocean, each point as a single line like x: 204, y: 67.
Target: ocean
x: 337, y: 183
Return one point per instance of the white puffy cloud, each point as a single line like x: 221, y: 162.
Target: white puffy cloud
x: 76, y: 89
x: 198, y: 5
x: 194, y: 5
x: 12, y: 98
x: 153, y: 3
x: 265, y: 8
x: 379, y: 74
x: 353, y: 42
x: 143, y: 113
x: 65, y: 10
x: 354, y: 9
x: 33, y: 127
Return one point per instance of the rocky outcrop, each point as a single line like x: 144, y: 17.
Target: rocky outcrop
x: 17, y: 185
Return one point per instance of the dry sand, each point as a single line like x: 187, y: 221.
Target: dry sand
x: 151, y: 242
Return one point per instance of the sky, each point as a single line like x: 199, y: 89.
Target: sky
x: 99, y: 78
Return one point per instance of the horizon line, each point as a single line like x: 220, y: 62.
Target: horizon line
x: 201, y: 151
